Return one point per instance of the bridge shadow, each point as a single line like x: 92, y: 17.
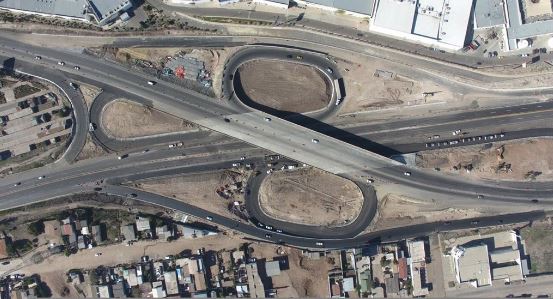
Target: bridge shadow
x: 312, y: 122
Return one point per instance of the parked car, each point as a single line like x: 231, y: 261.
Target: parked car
x: 209, y: 218
x: 61, y: 63
x: 152, y: 83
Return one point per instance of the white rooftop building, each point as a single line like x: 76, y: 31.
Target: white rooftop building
x: 438, y: 23
x: 473, y: 265
x: 102, y: 11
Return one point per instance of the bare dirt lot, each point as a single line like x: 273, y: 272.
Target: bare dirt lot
x: 123, y: 119
x: 528, y: 159
x: 370, y: 86
x: 200, y: 190
x: 539, y: 238
x: 285, y: 86
x: 310, y: 196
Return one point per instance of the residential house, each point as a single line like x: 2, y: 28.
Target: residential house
x: 96, y: 233
x: 128, y: 232
x: 157, y: 290
x: 171, y: 283
x: 143, y: 224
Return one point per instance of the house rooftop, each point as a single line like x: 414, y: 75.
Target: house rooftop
x: 272, y: 268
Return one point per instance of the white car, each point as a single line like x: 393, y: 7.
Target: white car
x: 267, y: 119
x: 209, y: 218
x: 98, y: 254
x: 61, y: 63
x: 243, y: 158
x: 77, y: 67
x: 370, y: 181
x: 407, y: 173
x: 338, y: 101
x: 41, y: 177
x: 315, y: 140
x: 152, y: 83
x: 321, y: 244
x: 38, y: 57
x: 329, y: 70
x: 236, y: 164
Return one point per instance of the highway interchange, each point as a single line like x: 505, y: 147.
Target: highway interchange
x: 356, y: 159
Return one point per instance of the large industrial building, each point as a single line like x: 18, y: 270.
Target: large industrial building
x: 437, y: 23
x: 100, y: 11
x: 520, y: 21
x: 359, y: 8
x: 493, y: 258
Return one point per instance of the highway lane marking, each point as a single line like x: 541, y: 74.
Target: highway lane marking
x: 153, y: 163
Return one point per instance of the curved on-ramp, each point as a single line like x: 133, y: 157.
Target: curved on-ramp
x: 321, y: 63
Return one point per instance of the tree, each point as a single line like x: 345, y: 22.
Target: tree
x: 36, y: 228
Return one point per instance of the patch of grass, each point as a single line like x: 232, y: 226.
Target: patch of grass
x: 24, y: 90
x: 539, y: 239
x: 535, y: 233
x: 234, y: 21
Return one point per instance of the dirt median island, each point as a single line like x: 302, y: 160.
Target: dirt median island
x: 285, y: 86
x: 311, y: 197
x: 211, y: 191
x: 516, y: 160
x: 124, y: 119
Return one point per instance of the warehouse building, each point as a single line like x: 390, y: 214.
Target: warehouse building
x: 359, y: 8
x: 276, y: 3
x: 436, y: 23
x: 101, y: 12
x: 491, y: 258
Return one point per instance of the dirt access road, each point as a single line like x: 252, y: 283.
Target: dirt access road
x: 123, y: 119
x: 285, y: 86
x: 310, y: 196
